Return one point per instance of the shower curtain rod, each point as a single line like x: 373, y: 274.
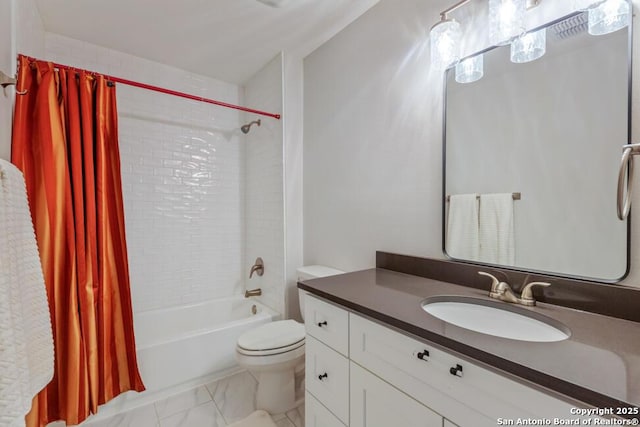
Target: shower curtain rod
x: 161, y: 89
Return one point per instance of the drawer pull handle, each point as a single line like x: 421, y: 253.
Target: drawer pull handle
x: 423, y: 355
x: 457, y: 371
x: 323, y: 376
x: 321, y: 324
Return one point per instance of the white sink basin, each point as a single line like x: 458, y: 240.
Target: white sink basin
x: 490, y: 318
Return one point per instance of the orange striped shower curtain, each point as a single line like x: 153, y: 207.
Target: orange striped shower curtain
x: 65, y: 141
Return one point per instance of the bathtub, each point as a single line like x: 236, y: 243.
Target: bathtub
x: 176, y: 345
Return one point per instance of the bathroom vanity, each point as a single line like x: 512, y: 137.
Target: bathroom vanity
x: 377, y: 351
x: 374, y: 357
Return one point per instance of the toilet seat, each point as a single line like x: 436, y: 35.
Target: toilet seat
x: 272, y: 338
x: 269, y: 352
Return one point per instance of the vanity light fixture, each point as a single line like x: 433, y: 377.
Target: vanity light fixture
x: 470, y: 69
x: 506, y: 22
x: 605, y: 16
x: 609, y: 16
x: 529, y: 47
x: 445, y: 37
x: 445, y: 42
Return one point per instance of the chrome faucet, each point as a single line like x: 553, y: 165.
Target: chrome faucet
x: 258, y: 268
x: 253, y: 293
x: 502, y: 291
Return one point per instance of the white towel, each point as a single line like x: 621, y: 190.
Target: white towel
x: 462, y: 227
x: 257, y: 419
x: 497, y: 237
x: 26, y: 343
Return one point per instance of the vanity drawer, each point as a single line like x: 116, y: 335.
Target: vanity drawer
x: 476, y: 398
x: 327, y: 377
x: 316, y: 415
x: 327, y: 323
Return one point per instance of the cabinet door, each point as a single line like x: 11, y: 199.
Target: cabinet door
x: 316, y: 415
x: 327, y: 377
x: 375, y: 403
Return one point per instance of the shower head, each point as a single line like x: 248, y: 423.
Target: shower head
x: 247, y: 127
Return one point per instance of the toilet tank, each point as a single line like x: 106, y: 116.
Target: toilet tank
x: 313, y: 272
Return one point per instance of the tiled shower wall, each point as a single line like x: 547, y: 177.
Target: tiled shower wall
x: 264, y: 204
x: 183, y: 178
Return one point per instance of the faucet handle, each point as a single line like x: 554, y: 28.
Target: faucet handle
x: 494, y: 280
x: 527, y: 294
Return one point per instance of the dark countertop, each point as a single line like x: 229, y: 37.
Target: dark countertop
x: 599, y: 364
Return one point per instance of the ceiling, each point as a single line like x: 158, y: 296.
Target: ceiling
x: 226, y: 39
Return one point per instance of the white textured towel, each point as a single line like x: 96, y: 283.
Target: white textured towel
x: 497, y: 237
x: 257, y: 419
x: 26, y: 343
x: 462, y: 227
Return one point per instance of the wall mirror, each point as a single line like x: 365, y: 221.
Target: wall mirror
x: 551, y: 130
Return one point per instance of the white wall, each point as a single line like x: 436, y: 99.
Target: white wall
x: 21, y: 31
x: 372, y: 135
x: 30, y: 33
x: 372, y: 150
x: 183, y: 178
x: 264, y: 203
x: 293, y: 82
x: 7, y: 65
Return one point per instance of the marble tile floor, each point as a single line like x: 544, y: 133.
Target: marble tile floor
x: 215, y: 405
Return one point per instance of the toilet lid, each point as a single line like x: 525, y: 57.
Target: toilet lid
x: 282, y: 333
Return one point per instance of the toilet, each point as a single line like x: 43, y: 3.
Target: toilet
x: 273, y: 352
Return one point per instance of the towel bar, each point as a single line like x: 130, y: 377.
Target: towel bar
x: 626, y: 174
x: 516, y: 196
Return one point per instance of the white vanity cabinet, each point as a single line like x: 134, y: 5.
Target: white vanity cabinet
x: 385, y: 378
x: 326, y: 364
x: 375, y: 403
x: 463, y: 392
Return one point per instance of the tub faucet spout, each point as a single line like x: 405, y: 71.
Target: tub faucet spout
x: 253, y: 293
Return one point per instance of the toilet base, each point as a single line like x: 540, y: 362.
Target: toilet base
x: 276, y: 391
x: 276, y: 378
